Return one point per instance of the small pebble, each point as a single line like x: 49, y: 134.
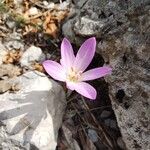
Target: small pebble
x: 32, y: 54
x: 51, y: 5
x: 10, y: 24
x: 33, y: 11
x: 14, y: 44
x: 105, y: 114
x: 3, y: 52
x: 18, y: 2
x: 45, y: 3
x: 64, y: 5
x: 92, y: 135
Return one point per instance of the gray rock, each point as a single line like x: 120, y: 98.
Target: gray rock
x: 45, y: 3
x: 2, y: 47
x: 50, y: 5
x: 33, y: 11
x: 88, y: 27
x: 68, y: 30
x: 93, y: 135
x: 64, y: 5
x: 129, y: 57
x: 99, y: 18
x: 30, y: 55
x: 15, y: 36
x: 3, y: 52
x: 105, y: 114
x: 14, y: 42
x: 33, y: 115
x: 11, y: 24
x: 125, y: 45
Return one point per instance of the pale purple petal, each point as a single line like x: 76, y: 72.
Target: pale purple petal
x: 86, y: 90
x: 85, y: 54
x: 54, y: 69
x: 70, y: 85
x: 67, y: 54
x: 96, y: 73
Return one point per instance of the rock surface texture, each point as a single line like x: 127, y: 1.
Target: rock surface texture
x: 30, y: 55
x: 122, y: 28
x: 31, y: 117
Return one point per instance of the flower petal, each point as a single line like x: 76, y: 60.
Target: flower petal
x: 67, y: 54
x: 96, y: 73
x: 85, y: 54
x: 71, y: 85
x: 86, y: 90
x: 54, y: 69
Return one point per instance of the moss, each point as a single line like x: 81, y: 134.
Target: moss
x: 3, y: 7
x: 20, y: 21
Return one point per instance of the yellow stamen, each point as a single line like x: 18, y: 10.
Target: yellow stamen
x: 73, y: 75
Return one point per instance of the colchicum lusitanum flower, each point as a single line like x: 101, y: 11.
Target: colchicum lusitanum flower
x: 71, y: 68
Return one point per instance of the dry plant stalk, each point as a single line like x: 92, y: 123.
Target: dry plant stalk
x: 103, y: 134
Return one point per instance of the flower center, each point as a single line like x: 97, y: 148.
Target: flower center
x: 73, y: 75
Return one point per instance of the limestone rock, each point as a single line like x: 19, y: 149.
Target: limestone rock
x: 3, y: 52
x: 123, y: 30
x: 30, y: 55
x: 33, y: 115
x: 99, y: 18
x: 10, y: 24
x: 33, y: 11
x: 128, y: 54
x: 14, y: 44
x: 9, y: 70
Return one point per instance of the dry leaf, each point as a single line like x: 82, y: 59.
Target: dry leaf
x: 26, y: 4
x: 52, y: 29
x: 49, y: 25
x: 38, y: 67
x: 51, y: 21
x: 12, y: 57
x: 9, y: 3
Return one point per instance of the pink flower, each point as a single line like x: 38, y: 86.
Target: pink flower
x: 71, y: 69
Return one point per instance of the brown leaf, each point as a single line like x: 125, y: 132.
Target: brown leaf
x: 26, y: 5
x: 38, y: 67
x: 52, y: 29
x: 49, y: 25
x: 12, y: 57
